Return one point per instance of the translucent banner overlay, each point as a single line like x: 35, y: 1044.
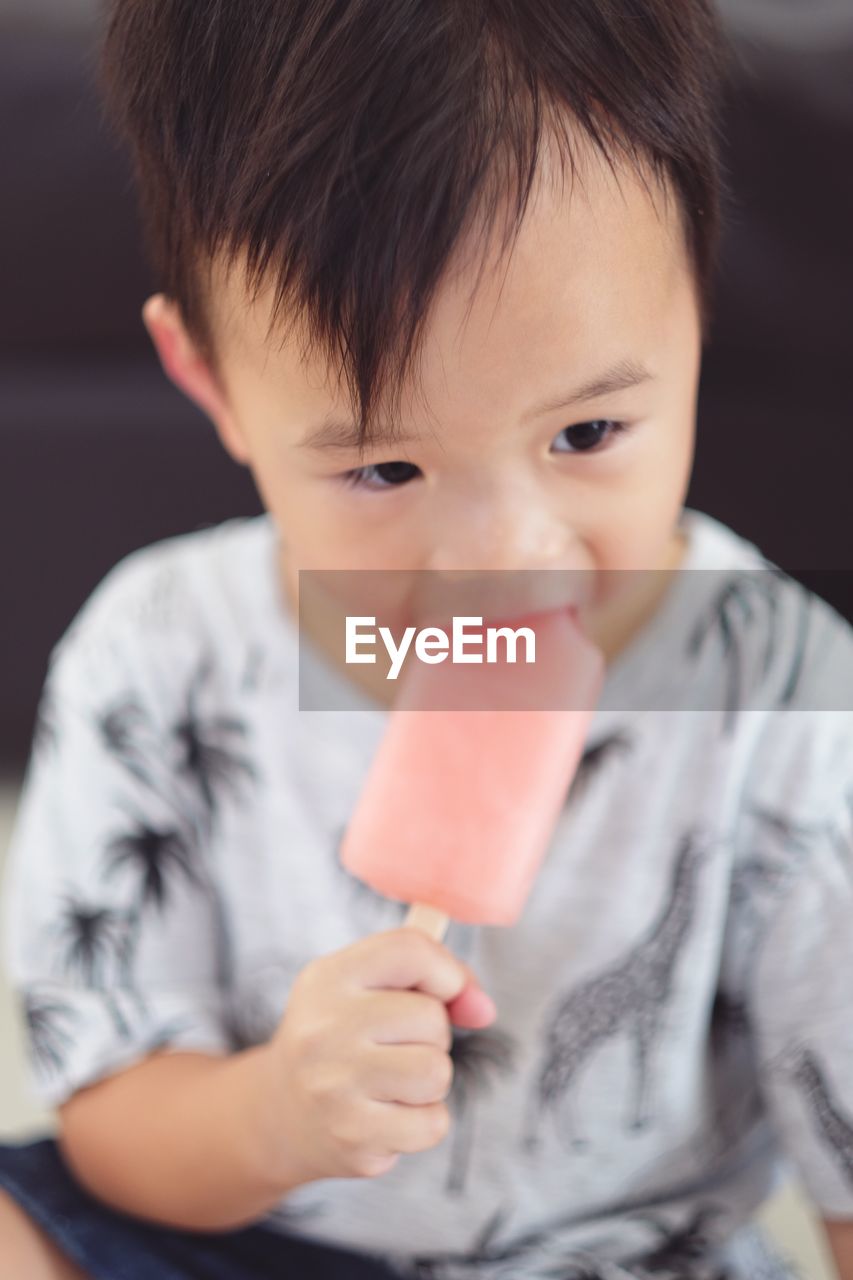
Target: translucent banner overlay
x: 724, y: 640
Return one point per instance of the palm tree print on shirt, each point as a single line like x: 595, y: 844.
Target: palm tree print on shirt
x: 801, y: 836
x: 629, y: 998
x: 594, y: 759
x: 50, y: 1045
x: 681, y: 1252
x: 121, y: 728
x: 580, y: 1266
x: 759, y: 881
x: 165, y: 853
x: 47, y: 1039
x: 99, y: 946
x: 100, y: 942
x: 207, y: 755
x: 736, y: 1101
x: 160, y: 857
x: 546, y: 1250
x: 91, y: 937
x: 681, y: 1248
x: 485, y: 1258
x: 731, y: 615
x: 474, y: 1055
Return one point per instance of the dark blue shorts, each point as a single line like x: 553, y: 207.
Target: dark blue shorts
x: 109, y: 1245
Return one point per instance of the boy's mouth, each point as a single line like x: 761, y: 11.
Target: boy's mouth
x: 503, y: 599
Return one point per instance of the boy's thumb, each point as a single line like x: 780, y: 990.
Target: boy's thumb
x: 472, y: 1007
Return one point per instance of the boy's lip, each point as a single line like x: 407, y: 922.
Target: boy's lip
x: 499, y: 603
x: 514, y: 618
x: 530, y: 616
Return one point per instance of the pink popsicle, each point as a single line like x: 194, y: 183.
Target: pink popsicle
x: 459, y: 805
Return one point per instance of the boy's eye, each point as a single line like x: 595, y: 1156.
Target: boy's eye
x: 584, y: 437
x: 588, y: 435
x: 383, y: 475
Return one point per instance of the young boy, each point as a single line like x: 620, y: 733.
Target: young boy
x: 257, y: 1070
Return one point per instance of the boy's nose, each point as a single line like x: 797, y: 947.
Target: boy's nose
x: 485, y: 563
x: 489, y: 539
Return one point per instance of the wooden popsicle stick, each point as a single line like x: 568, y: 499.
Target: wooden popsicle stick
x: 428, y: 920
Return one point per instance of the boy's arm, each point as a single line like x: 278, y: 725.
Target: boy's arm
x: 178, y: 1139
x: 113, y: 941
x: 840, y: 1236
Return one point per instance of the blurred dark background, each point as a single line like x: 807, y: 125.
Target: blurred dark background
x: 100, y: 455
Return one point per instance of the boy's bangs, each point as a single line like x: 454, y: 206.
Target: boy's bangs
x: 345, y: 153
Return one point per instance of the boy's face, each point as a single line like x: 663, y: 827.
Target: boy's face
x: 483, y: 480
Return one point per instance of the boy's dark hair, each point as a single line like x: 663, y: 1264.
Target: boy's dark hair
x: 345, y: 146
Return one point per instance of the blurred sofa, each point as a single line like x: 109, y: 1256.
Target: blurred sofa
x: 99, y: 454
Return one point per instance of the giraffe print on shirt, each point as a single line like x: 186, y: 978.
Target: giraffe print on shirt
x: 629, y: 998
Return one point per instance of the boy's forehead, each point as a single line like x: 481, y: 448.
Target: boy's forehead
x: 597, y: 260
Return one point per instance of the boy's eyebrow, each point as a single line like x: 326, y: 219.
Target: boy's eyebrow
x: 338, y: 433
x: 620, y: 376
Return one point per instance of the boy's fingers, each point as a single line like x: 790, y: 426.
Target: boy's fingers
x: 407, y: 958
x: 472, y: 1007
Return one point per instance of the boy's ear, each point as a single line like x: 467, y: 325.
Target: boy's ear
x: 190, y: 372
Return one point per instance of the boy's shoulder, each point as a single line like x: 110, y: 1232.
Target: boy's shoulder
x: 194, y: 605
x: 786, y: 654
x: 761, y: 666
x: 179, y: 583
x: 736, y: 633
x: 768, y: 623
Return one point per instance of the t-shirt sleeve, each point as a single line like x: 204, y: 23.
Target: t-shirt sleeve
x: 800, y: 860
x: 111, y: 910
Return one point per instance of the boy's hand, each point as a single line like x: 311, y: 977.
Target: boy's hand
x: 360, y: 1061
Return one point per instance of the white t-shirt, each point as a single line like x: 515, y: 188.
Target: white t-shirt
x: 674, y: 1005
